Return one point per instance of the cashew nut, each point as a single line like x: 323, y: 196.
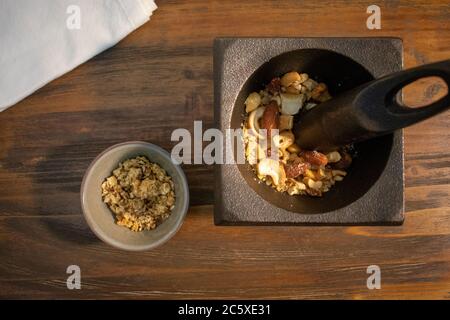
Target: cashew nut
x: 252, y: 102
x: 293, y: 89
x: 294, y: 148
x: 286, y: 122
x: 338, y: 173
x: 253, y: 121
x: 283, y: 155
x: 303, y: 77
x: 289, y: 78
x: 333, y: 156
x: 310, y: 84
x: 314, y: 184
x: 254, y: 152
x: 272, y: 168
x: 291, y: 103
x: 283, y: 140
x: 277, y: 99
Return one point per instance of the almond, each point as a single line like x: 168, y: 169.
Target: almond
x: 271, y: 118
x: 314, y: 157
x: 295, y: 167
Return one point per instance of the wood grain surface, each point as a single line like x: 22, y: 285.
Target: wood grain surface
x: 160, y: 78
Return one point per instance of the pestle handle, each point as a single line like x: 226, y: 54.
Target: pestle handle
x: 369, y: 110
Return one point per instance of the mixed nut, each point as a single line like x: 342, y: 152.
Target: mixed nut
x: 268, y: 129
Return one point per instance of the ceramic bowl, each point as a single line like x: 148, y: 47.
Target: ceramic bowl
x: 101, y: 219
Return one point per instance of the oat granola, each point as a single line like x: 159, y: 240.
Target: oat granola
x: 139, y: 193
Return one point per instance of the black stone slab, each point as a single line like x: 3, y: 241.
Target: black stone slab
x: 372, y: 192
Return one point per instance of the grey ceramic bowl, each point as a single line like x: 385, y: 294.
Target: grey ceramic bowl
x: 101, y: 219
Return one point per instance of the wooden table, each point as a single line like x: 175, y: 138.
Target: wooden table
x: 160, y: 78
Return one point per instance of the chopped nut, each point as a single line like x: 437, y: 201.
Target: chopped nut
x: 338, y: 173
x: 318, y: 90
x: 283, y: 140
x: 289, y: 78
x: 139, y: 193
x: 314, y: 184
x: 344, y: 163
x: 310, y: 84
x: 293, y: 90
x: 333, y: 157
x: 277, y: 99
x: 286, y: 122
x: 303, y: 77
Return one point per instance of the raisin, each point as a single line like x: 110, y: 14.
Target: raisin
x: 274, y: 86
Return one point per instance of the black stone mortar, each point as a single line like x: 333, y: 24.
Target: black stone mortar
x: 372, y: 191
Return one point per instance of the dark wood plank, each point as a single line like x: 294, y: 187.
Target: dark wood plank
x: 160, y: 78
x: 221, y: 262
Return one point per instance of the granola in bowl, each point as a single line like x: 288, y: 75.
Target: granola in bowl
x: 139, y: 193
x: 270, y: 142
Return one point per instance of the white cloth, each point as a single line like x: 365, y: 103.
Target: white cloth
x: 40, y: 39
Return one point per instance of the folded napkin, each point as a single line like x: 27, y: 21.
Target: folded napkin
x: 41, y: 40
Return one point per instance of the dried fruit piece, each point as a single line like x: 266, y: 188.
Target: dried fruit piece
x: 314, y: 157
x: 270, y: 119
x: 295, y: 168
x: 274, y: 86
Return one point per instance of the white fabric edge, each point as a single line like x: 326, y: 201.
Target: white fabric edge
x: 137, y: 16
x: 149, y: 6
x: 138, y: 12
